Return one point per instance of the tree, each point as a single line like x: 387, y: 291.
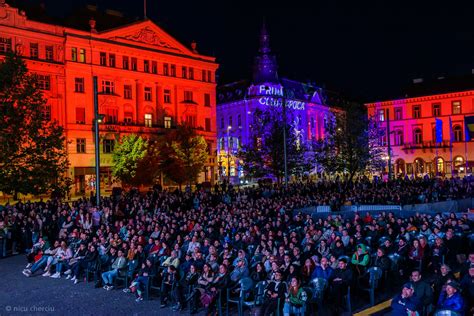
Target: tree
x: 264, y: 153
x: 184, y: 155
x: 127, y: 157
x: 33, y: 157
x: 348, y: 146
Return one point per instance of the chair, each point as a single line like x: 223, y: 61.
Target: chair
x: 92, y: 268
x: 127, y: 274
x: 348, y: 300
x: 375, y: 274
x: 246, y: 285
x: 446, y: 312
x: 318, y: 288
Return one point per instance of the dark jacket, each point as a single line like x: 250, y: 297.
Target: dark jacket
x: 383, y: 263
x: 423, y: 292
x: 273, y: 288
x: 344, y: 274
x: 400, y: 305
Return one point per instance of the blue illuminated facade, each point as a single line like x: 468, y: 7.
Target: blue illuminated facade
x: 306, y: 107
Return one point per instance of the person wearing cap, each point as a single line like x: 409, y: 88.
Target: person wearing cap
x: 240, y: 271
x: 405, y: 303
x: 274, y: 293
x: 451, y: 299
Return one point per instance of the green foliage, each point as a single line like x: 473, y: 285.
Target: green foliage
x: 33, y: 157
x: 264, y: 154
x: 184, y: 155
x: 127, y: 157
x: 347, y: 147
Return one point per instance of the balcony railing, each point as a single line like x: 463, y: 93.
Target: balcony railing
x: 426, y: 145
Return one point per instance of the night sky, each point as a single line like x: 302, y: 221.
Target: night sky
x: 365, y: 49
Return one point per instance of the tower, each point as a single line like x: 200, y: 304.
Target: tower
x: 265, y: 66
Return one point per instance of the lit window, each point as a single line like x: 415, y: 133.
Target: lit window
x: 456, y: 107
x: 73, y: 53
x: 167, y: 122
x: 148, y: 120
x: 381, y: 115
x: 82, y: 55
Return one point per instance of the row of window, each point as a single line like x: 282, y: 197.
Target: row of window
x: 111, y: 117
x: 149, y: 66
x: 230, y: 120
x: 108, y: 87
x: 418, y: 136
x: 6, y: 46
x: 108, y: 146
x: 416, y: 111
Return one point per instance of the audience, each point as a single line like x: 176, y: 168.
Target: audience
x: 197, y: 244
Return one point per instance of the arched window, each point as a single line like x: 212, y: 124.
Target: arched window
x: 457, y: 131
x: 399, y: 137
x: 459, y: 164
x: 419, y: 166
x: 440, y: 165
x: 400, y: 166
x: 417, y: 136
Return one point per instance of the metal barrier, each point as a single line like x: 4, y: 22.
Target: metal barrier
x: 347, y: 211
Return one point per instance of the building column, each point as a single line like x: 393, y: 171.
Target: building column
x: 139, y: 98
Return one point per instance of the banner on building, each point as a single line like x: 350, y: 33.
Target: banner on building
x: 469, y: 127
x: 439, y: 131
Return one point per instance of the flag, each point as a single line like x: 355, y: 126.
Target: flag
x: 439, y: 131
x: 469, y: 127
x: 451, y: 133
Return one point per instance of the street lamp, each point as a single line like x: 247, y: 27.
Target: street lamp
x: 228, y: 153
x: 98, y: 118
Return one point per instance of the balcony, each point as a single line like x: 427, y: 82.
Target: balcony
x: 427, y: 145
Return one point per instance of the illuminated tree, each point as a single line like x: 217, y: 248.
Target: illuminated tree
x: 127, y: 158
x: 184, y: 155
x: 263, y: 156
x: 33, y: 158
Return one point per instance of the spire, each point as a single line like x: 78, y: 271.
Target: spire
x: 265, y: 67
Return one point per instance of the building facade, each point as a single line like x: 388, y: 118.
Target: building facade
x: 148, y: 82
x: 428, y: 133
x: 306, y: 109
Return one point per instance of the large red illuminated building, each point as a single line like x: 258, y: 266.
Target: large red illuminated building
x: 148, y: 82
x: 416, y: 148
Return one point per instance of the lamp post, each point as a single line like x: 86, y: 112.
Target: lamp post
x: 97, y: 119
x: 228, y: 153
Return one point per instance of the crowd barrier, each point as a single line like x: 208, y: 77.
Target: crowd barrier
x: 347, y: 211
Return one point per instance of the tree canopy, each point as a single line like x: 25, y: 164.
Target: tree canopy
x: 33, y: 156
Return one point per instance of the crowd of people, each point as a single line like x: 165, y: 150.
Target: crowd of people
x: 201, y: 248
